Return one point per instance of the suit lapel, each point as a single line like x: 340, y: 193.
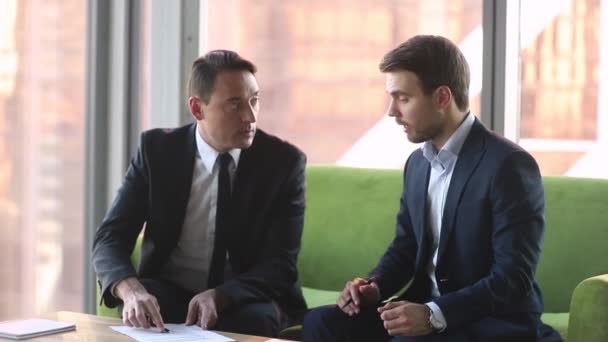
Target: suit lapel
x: 468, y: 159
x: 184, y: 163
x: 418, y: 182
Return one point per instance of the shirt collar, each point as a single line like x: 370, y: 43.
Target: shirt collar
x: 451, y: 149
x: 209, y: 155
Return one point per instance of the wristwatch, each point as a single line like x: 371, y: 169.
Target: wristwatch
x: 436, y: 325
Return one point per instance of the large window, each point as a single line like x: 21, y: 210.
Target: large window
x: 321, y: 89
x: 318, y: 66
x: 143, y: 65
x: 42, y: 69
x: 563, y: 113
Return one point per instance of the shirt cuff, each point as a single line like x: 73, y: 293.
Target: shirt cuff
x: 438, y: 314
x: 113, y: 289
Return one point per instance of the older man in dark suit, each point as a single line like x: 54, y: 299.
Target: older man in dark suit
x: 223, y: 205
x: 469, y: 229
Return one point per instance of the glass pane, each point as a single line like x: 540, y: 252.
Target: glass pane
x: 563, y: 72
x: 143, y: 65
x: 42, y: 70
x: 318, y: 67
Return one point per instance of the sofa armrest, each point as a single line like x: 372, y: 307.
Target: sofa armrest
x: 103, y: 310
x: 589, y: 311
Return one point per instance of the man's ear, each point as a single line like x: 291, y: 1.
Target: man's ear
x: 443, y: 96
x: 196, y: 107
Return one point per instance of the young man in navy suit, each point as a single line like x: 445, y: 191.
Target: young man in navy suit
x: 223, y: 206
x: 469, y: 229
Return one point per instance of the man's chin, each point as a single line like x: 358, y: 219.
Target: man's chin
x: 415, y: 139
x: 245, y: 144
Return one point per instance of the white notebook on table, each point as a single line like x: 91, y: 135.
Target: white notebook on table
x: 28, y: 328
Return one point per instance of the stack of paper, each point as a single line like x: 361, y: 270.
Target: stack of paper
x: 28, y: 328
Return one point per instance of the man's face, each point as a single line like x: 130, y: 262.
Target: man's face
x: 228, y: 120
x: 411, y: 108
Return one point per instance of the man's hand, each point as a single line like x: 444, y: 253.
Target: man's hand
x: 405, y: 319
x: 357, y: 293
x: 204, y: 307
x: 140, y: 308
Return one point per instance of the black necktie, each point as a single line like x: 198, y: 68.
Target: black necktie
x: 216, y: 273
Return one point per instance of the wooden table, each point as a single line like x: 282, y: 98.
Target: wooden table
x: 96, y: 329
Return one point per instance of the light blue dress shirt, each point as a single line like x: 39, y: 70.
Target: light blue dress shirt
x: 442, y: 166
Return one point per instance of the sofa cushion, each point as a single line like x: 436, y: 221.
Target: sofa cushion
x: 559, y: 322
x: 315, y: 297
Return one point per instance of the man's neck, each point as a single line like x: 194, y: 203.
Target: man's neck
x: 453, y: 121
x: 207, y: 139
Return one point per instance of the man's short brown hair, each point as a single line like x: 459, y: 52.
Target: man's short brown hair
x: 206, y: 68
x: 436, y: 61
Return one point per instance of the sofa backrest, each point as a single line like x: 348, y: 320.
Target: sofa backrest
x: 349, y: 222
x: 351, y: 213
x: 576, y: 237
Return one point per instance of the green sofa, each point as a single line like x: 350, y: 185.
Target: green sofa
x: 350, y: 220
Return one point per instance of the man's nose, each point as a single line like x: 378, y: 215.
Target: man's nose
x: 250, y: 114
x: 390, y: 111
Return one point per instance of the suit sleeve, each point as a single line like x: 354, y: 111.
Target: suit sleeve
x: 115, y: 238
x: 275, y: 273
x: 396, y: 267
x: 517, y: 198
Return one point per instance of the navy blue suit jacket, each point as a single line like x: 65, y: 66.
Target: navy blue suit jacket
x: 266, y: 228
x: 490, y: 241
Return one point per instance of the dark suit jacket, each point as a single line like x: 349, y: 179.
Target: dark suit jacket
x: 264, y: 241
x: 491, y: 236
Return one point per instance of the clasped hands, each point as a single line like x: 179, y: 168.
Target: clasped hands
x: 141, y: 309
x: 400, y: 318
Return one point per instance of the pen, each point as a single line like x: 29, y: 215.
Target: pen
x: 165, y: 330
x: 350, y: 300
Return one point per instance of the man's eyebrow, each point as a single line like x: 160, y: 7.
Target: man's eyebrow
x: 398, y: 93
x: 238, y: 98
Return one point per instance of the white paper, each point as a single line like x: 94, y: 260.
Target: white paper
x: 177, y: 333
x: 33, y: 327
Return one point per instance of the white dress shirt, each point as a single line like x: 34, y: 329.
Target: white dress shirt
x: 190, y: 261
x: 442, y: 167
